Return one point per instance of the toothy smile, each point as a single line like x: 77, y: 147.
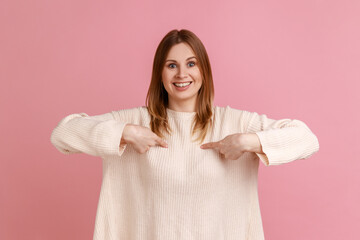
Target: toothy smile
x: 182, y: 84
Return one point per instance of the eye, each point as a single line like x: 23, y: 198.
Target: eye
x: 192, y: 63
x: 171, y: 64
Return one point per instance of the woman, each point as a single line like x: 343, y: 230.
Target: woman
x: 179, y: 167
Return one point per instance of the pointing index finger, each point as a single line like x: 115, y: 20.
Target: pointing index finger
x: 209, y: 145
x: 161, y: 142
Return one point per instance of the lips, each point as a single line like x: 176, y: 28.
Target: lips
x: 182, y: 84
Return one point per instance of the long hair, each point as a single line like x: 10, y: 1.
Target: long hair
x: 157, y: 98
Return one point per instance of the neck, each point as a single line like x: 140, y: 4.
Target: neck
x: 184, y: 106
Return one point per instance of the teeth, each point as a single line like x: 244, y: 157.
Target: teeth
x: 182, y: 84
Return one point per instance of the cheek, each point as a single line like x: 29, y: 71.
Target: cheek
x: 166, y: 77
x: 166, y: 80
x: 196, y: 71
x: 197, y: 76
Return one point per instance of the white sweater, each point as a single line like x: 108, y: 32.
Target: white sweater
x: 181, y: 192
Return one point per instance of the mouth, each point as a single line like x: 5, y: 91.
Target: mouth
x: 182, y: 84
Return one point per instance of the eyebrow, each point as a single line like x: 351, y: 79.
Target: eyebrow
x: 175, y: 61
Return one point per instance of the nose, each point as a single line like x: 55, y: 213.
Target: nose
x: 181, y: 73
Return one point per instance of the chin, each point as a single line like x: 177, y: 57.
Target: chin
x: 182, y: 97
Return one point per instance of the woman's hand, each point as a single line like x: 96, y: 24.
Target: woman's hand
x: 234, y: 145
x: 141, y: 138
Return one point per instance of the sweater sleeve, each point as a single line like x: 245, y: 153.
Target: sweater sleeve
x: 98, y: 135
x: 283, y: 140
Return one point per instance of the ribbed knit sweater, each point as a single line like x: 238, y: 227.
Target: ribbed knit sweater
x: 181, y: 192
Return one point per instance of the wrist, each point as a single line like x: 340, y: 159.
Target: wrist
x: 251, y: 142
x: 127, y: 134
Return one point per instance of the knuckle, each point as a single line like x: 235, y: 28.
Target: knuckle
x: 144, y: 150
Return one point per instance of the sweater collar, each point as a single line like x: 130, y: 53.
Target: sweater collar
x: 177, y: 114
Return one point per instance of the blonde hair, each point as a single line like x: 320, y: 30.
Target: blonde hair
x: 157, y: 97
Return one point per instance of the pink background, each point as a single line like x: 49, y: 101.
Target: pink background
x: 287, y: 59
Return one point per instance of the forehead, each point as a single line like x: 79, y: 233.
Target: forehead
x: 180, y: 51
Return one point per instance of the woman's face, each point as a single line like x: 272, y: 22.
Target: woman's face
x: 181, y: 67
